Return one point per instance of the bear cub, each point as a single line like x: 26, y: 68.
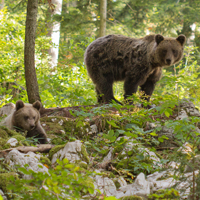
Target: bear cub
x: 137, y: 62
x: 26, y: 117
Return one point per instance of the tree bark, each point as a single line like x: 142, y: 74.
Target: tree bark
x: 42, y: 148
x: 103, y: 13
x: 29, y: 51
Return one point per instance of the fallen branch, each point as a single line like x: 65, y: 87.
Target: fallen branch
x: 42, y: 148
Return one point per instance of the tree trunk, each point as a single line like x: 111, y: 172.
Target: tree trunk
x: 103, y: 11
x: 29, y: 52
x: 42, y: 148
x: 54, y: 33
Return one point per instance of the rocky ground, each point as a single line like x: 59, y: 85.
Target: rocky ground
x: 129, y: 153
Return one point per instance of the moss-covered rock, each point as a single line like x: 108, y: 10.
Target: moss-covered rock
x: 165, y: 194
x: 45, y: 161
x: 117, y: 184
x: 55, y: 150
x: 6, y: 134
x: 64, y: 128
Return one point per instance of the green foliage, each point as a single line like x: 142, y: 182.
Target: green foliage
x: 58, y: 183
x: 68, y: 84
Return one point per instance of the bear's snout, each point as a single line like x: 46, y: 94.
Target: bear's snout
x: 32, y: 126
x: 168, y: 61
x: 31, y: 123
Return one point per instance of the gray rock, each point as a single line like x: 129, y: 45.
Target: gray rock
x: 13, y: 142
x: 182, y: 115
x: 109, y: 156
x: 31, y: 159
x: 189, y: 107
x: 71, y: 151
x: 140, y: 187
x: 152, y: 156
x: 105, y: 185
x: 169, y: 133
x: 7, y: 109
x: 164, y: 180
x: 122, y: 182
x: 94, y: 128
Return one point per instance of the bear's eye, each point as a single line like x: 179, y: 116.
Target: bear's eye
x: 25, y: 117
x: 164, y: 51
x: 34, y: 118
x: 175, y: 52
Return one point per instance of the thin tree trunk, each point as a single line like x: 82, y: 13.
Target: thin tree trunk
x: 103, y: 12
x: 29, y: 51
x: 54, y: 33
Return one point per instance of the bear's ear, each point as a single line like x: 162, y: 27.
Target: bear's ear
x: 37, y: 105
x: 19, y: 104
x: 159, y: 38
x: 181, y: 39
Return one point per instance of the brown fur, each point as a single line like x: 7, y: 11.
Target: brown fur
x: 26, y: 117
x: 137, y: 62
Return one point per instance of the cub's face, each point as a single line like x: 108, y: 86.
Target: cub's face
x: 169, y: 50
x: 26, y: 116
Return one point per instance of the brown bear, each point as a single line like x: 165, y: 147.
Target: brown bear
x: 137, y: 62
x: 26, y: 117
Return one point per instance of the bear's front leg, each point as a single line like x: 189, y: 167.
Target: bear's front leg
x: 148, y: 87
x: 39, y: 133
x: 130, y: 88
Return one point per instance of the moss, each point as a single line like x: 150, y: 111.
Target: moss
x: 55, y: 150
x: 134, y: 197
x: 5, y: 180
x: 3, y: 133
x: 20, y: 137
x: 53, y: 119
x: 64, y: 127
x: 45, y: 160
x: 82, y: 165
x: 22, y: 141
x: 3, y: 144
x: 165, y: 194
x: 6, y: 133
x: 84, y: 155
x: 57, y: 141
x: 53, y: 128
x: 117, y: 184
x: 111, y: 175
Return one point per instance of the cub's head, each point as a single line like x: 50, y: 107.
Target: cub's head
x: 169, y: 50
x: 26, y: 116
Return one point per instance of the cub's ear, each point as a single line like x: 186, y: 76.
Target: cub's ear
x: 181, y: 39
x: 19, y: 104
x: 159, y: 38
x: 37, y: 105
